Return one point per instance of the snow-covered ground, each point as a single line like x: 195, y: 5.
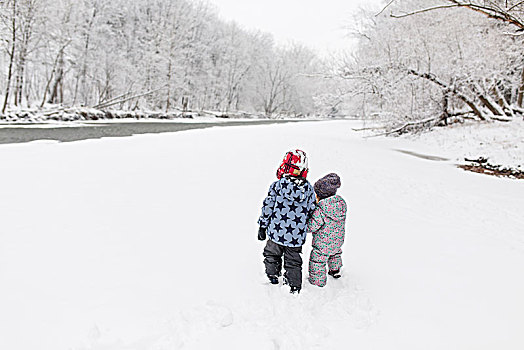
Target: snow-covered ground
x: 149, y: 242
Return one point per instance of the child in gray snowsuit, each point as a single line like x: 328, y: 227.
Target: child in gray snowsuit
x: 285, y: 211
x: 327, y: 225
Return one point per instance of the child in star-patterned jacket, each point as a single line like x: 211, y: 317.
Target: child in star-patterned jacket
x: 327, y: 225
x: 285, y: 212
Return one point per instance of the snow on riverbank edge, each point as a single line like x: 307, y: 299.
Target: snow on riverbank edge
x: 500, y: 143
x: 57, y: 114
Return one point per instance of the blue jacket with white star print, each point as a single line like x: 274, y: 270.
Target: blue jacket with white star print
x: 286, y: 210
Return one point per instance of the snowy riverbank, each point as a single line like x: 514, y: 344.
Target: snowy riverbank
x: 499, y: 143
x: 149, y: 242
x: 60, y: 115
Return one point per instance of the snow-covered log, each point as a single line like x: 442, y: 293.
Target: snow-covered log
x: 487, y: 101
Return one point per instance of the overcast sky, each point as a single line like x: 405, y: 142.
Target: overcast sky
x: 316, y: 23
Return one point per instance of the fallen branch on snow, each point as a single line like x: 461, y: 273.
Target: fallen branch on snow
x: 413, y: 123
x: 482, y: 166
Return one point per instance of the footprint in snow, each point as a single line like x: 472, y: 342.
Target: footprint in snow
x: 342, y: 298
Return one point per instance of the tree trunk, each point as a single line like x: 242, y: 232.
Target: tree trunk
x: 502, y: 101
x: 11, y: 57
x: 27, y: 20
x: 445, y: 107
x: 29, y: 81
x: 48, y: 83
x: 486, y: 100
x: 520, y: 97
x: 168, y: 98
x: 468, y: 101
x: 55, y: 91
x: 22, y: 54
x: 81, y: 78
x: 19, y: 86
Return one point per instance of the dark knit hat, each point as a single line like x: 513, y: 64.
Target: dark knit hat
x: 327, y: 186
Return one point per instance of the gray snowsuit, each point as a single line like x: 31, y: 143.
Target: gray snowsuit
x: 286, y: 210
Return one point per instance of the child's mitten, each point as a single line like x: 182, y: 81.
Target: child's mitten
x: 261, y: 233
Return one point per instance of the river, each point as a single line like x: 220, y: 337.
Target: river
x: 18, y: 133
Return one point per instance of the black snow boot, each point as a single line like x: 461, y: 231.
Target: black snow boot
x: 284, y: 280
x: 334, y: 273
x: 273, y: 279
x: 295, y: 290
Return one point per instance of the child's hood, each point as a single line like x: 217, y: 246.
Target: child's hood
x: 334, y: 207
x: 294, y: 189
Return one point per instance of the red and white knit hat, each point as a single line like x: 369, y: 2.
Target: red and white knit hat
x: 295, y: 163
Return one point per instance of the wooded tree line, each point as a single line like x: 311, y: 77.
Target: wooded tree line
x: 423, y: 62
x: 161, y: 55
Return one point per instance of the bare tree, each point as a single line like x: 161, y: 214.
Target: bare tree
x: 10, y: 20
x: 506, y: 11
x: 160, y: 54
x: 455, y: 63
x: 510, y: 12
x: 28, y: 10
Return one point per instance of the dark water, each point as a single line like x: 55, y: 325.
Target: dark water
x: 96, y: 131
x: 423, y: 156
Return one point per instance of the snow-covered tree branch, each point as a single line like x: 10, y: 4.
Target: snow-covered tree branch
x: 430, y: 58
